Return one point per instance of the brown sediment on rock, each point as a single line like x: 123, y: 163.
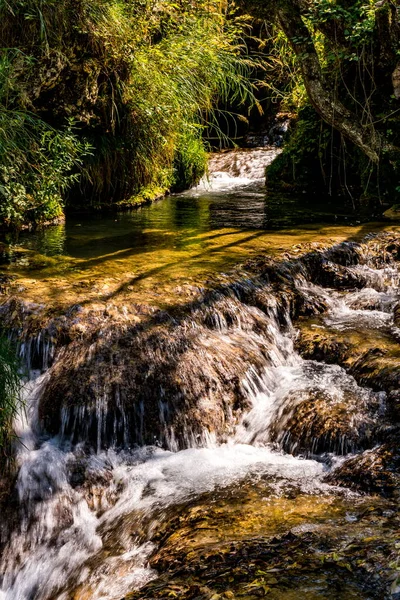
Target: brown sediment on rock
x: 373, y: 471
x: 134, y: 374
x: 379, y: 369
x: 371, y: 356
x: 317, y: 343
x: 166, y: 381
x: 314, y: 422
x: 246, y: 545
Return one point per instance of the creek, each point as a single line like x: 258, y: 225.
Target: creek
x: 192, y: 451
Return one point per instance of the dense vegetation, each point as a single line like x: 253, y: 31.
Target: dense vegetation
x: 346, y: 57
x: 106, y: 102
x: 109, y: 98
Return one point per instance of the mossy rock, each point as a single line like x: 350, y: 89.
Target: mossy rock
x: 393, y: 213
x: 310, y: 564
x: 370, y: 355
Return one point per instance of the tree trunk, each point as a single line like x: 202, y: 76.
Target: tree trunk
x: 321, y: 97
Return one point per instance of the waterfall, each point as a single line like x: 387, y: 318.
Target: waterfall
x: 238, y: 169
x: 133, y: 419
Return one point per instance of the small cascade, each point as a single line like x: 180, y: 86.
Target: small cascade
x: 35, y: 348
x: 240, y: 168
x: 138, y: 419
x: 311, y: 408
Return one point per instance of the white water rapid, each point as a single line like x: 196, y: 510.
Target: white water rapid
x: 234, y: 170
x: 83, y: 518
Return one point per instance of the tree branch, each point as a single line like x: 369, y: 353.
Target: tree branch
x: 324, y: 102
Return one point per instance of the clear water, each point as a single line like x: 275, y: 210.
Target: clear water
x: 232, y: 197
x: 93, y: 538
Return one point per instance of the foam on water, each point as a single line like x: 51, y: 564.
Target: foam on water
x: 85, y: 517
x: 63, y: 533
x: 223, y: 182
x: 81, y: 514
x: 233, y: 170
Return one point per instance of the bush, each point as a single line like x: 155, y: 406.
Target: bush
x: 141, y: 78
x: 36, y: 160
x: 302, y: 164
x: 190, y: 163
x: 317, y: 160
x: 36, y: 168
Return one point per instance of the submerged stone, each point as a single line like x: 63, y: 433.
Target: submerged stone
x: 237, y: 547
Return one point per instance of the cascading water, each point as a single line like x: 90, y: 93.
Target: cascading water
x: 89, y: 498
x: 237, y: 169
x: 71, y: 501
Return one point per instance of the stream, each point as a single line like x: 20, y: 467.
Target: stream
x: 209, y: 430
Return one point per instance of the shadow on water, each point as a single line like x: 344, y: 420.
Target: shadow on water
x: 178, y: 222
x: 182, y: 238
x: 173, y: 234
x: 360, y: 233
x: 308, y: 577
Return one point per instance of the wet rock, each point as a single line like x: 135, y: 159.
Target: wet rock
x: 167, y: 383
x: 321, y: 563
x: 373, y: 471
x: 378, y: 368
x: 372, y: 356
x: 396, y: 313
x: 132, y: 376
x: 318, y: 343
x: 176, y: 379
x: 337, y: 276
x: 314, y: 422
x: 283, y: 282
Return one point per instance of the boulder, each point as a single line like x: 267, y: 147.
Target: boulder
x: 317, y: 421
x: 373, y: 471
x: 162, y: 382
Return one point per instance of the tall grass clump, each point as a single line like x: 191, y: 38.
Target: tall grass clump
x: 141, y: 79
x: 10, y: 400
x: 185, y: 60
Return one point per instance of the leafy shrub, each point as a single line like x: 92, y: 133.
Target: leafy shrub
x: 357, y: 154
x: 36, y: 160
x: 142, y: 78
x: 190, y: 162
x: 36, y: 168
